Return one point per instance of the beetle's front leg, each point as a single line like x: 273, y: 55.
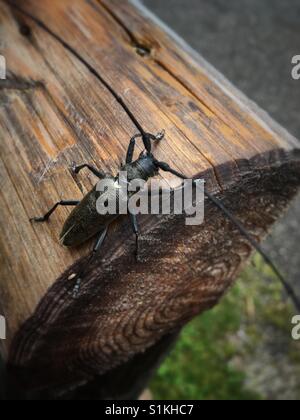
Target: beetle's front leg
x: 131, y: 147
x: 77, y: 168
x: 147, y: 138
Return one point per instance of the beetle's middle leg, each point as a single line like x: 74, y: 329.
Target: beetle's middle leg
x: 136, y: 230
x: 52, y: 210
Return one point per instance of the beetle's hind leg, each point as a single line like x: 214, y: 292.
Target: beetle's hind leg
x: 52, y: 210
x: 99, y: 242
x: 77, y: 168
x: 136, y: 230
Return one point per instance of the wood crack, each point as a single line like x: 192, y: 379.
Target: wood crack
x: 146, y: 50
x: 117, y: 97
x: 99, y: 77
x: 60, y: 112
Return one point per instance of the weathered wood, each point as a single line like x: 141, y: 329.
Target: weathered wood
x: 83, y: 77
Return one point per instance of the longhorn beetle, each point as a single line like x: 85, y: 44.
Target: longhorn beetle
x: 85, y: 222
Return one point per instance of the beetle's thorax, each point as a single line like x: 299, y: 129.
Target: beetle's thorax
x: 143, y: 168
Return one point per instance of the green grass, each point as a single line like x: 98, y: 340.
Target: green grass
x: 208, y: 362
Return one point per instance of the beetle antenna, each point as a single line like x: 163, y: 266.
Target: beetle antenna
x: 290, y: 291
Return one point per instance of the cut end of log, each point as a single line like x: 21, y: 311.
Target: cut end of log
x: 86, y: 77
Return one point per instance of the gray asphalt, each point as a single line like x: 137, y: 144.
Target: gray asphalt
x: 252, y: 43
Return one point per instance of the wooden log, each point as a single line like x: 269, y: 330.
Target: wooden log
x: 83, y: 77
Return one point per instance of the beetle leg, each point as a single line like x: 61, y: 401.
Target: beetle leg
x: 99, y: 242
x: 166, y: 168
x: 47, y: 215
x: 147, y: 138
x: 76, y: 169
x: 136, y: 230
x: 130, y: 151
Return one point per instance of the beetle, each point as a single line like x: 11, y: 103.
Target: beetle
x: 85, y: 222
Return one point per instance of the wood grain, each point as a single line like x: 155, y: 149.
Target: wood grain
x: 83, y: 77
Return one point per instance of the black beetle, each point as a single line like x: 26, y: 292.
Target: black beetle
x: 85, y: 222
